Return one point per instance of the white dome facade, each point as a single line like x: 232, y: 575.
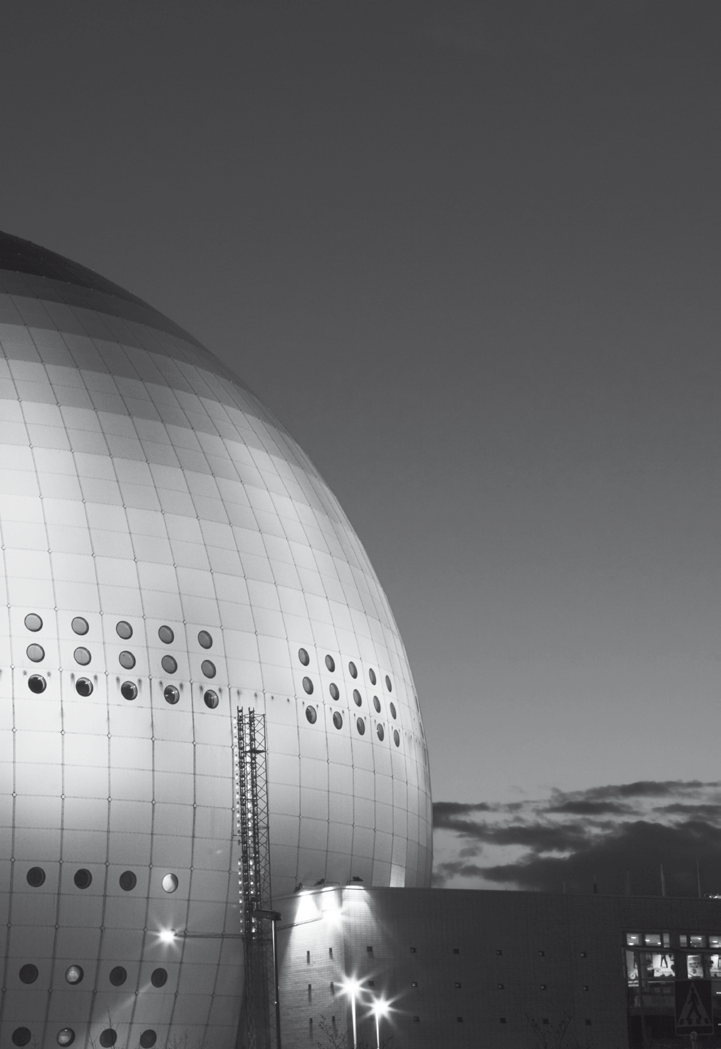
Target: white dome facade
x: 169, y: 554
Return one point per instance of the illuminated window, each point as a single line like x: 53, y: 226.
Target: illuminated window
x: 37, y: 683
x: 357, y: 698
x: 127, y: 881
x: 695, y: 941
x: 74, y: 974
x: 36, y: 653
x: 170, y: 883
x: 124, y: 630
x: 35, y: 877
x: 33, y: 622
x: 204, y: 639
x: 171, y: 694
x: 166, y: 635
x: 66, y: 1036
x: 303, y: 657
x: 128, y: 690
x: 169, y: 664
x: 28, y: 973
x: 210, y: 699
x: 126, y: 660
x: 653, y: 939
x: 633, y: 939
x: 330, y: 663
x: 83, y: 878
x: 118, y: 976
x: 333, y: 689
x: 352, y: 669
x: 311, y: 715
x: 372, y: 676
x: 83, y: 686
x: 80, y: 625
x: 158, y: 977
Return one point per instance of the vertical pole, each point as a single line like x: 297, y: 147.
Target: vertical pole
x: 352, y: 1012
x: 378, y: 1030
x: 277, y: 994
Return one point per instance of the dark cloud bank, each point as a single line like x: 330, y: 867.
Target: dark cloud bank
x: 617, y: 835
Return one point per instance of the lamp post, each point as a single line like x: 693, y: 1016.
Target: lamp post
x: 351, y: 988
x: 380, y: 1008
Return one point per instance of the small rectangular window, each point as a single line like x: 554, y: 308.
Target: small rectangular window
x: 543, y: 987
x: 698, y: 941
x: 416, y: 1019
x: 330, y: 952
x: 369, y: 950
x: 541, y: 954
x: 588, y: 1023
x: 498, y: 952
x: 585, y: 986
x: 371, y: 983
x: 500, y: 986
x: 307, y: 957
x: 459, y: 1019
x: 633, y: 939
x: 415, y: 983
x: 456, y: 950
x: 653, y: 939
x: 583, y: 954
x: 413, y: 950
x: 683, y: 940
x: 503, y: 1019
x: 458, y: 985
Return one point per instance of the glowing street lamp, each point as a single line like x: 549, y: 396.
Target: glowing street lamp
x: 380, y: 1008
x: 352, y: 988
x: 167, y: 935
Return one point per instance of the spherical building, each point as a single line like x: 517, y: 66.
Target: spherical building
x: 168, y: 555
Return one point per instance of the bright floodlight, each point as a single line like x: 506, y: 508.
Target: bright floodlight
x: 167, y: 935
x: 351, y: 986
x: 380, y: 1007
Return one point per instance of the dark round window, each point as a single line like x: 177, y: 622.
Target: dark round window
x: 333, y: 689
x: 126, y: 660
x: 33, y: 622
x: 388, y: 684
x: 169, y: 664
x: 311, y: 714
x: 166, y: 635
x: 129, y: 690
x: 83, y: 686
x: 82, y: 656
x: 74, y: 974
x: 396, y: 737
x: 28, y: 973
x: 380, y: 732
x: 118, y: 976
x: 66, y: 1036
x: 83, y: 878
x: 159, y: 978
x: 36, y: 653
x: 208, y: 668
x: 35, y: 877
x: 361, y: 726
x: 108, y: 1037
x: 308, y: 685
x: 303, y: 657
x: 124, y: 630
x: 357, y: 699
x: 80, y: 625
x: 330, y: 663
x: 377, y: 704
x: 372, y: 676
x: 171, y: 694
x: 210, y: 698
x: 204, y: 639
x: 352, y: 669
x: 337, y: 719
x: 21, y: 1036
x: 148, y: 1039
x: 127, y: 881
x: 37, y: 683
x: 393, y: 710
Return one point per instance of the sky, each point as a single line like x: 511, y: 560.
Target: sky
x: 468, y: 252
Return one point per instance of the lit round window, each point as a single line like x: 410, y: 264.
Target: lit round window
x: 380, y: 732
x: 388, y: 684
x: 159, y: 977
x: 361, y: 726
x: 74, y: 974
x: 171, y: 694
x: 21, y: 1036
x: 80, y: 625
x: 333, y: 689
x: 127, y: 881
x: 393, y: 710
x: 118, y: 976
x: 372, y: 676
x: 83, y: 686
x: 108, y: 1037
x: 166, y: 635
x: 168, y: 664
x: 126, y: 660
x: 352, y: 669
x: 204, y: 639
x: 311, y: 714
x: 337, y: 719
x: 35, y: 653
x: 308, y: 685
x: 377, y: 704
x: 208, y: 668
x: 129, y: 690
x: 28, y: 973
x: 357, y: 699
x: 396, y: 737
x: 35, y: 877
x: 148, y: 1039
x: 210, y: 698
x: 33, y: 622
x: 66, y: 1036
x: 37, y: 683
x: 330, y: 663
x: 124, y: 630
x: 303, y: 657
x: 82, y: 656
x: 170, y: 883
x: 83, y: 878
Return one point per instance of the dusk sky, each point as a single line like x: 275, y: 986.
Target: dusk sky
x: 469, y: 254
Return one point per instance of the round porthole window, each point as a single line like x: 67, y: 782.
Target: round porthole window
x: 129, y: 690
x: 330, y: 663
x: 204, y: 639
x: 80, y: 625
x: 393, y: 710
x: 303, y: 657
x: 166, y: 635
x: 333, y: 689
x: 127, y: 881
x: 35, y: 877
x: 171, y: 694
x: 380, y: 732
x: 83, y: 686
x: 210, y: 698
x: 208, y: 668
x: 311, y: 715
x: 361, y: 726
x: 36, y: 653
x: 37, y: 683
x: 33, y: 622
x: 66, y: 1036
x: 169, y: 664
x: 388, y: 684
x: 74, y: 974
x: 357, y: 698
x: 148, y: 1039
x: 126, y: 660
x: 396, y: 737
x: 21, y: 1036
x: 124, y: 630
x: 377, y: 704
x: 118, y: 976
x: 108, y: 1037
x: 28, y: 973
x: 170, y: 883
x: 82, y: 656
x: 352, y: 670
x: 308, y: 685
x: 372, y: 676
x: 159, y: 977
x: 83, y: 878
x: 337, y: 719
